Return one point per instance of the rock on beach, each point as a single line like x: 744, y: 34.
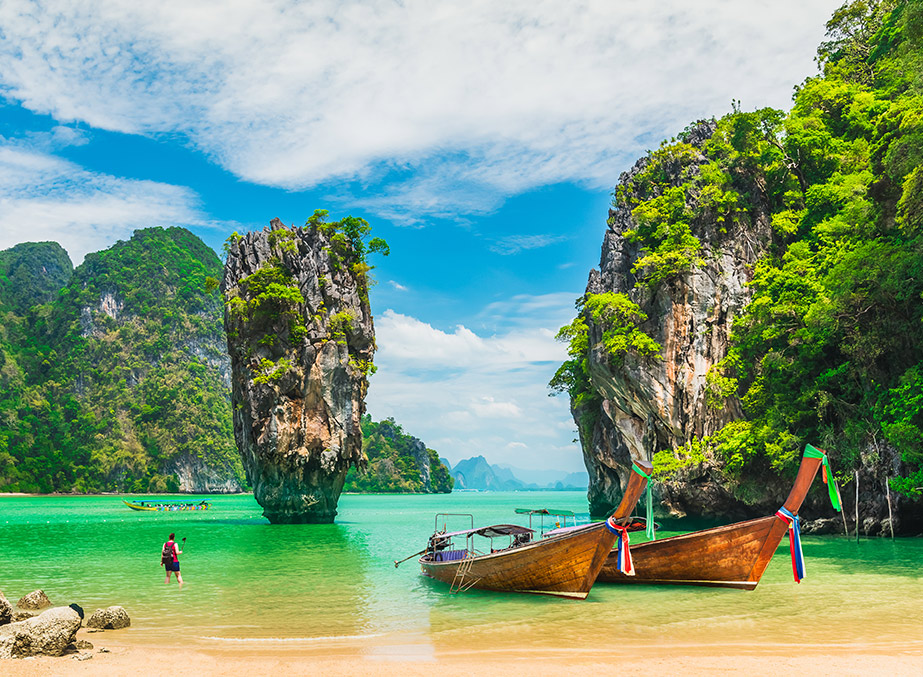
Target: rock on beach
x: 47, y: 634
x: 6, y: 610
x: 34, y: 601
x: 110, y: 618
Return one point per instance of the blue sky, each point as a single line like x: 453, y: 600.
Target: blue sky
x: 482, y: 140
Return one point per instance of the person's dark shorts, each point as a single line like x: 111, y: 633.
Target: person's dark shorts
x: 173, y: 566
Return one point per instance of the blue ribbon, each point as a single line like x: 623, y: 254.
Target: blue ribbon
x: 794, y: 541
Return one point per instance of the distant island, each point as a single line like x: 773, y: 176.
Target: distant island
x: 476, y: 474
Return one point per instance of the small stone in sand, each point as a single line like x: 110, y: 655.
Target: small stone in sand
x: 83, y: 657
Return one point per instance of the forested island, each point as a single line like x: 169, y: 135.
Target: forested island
x: 115, y: 376
x: 397, y: 462
x: 761, y: 287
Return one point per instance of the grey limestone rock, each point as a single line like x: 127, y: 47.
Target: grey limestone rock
x: 644, y: 406
x: 34, y: 601
x: 110, y: 618
x: 299, y: 368
x: 47, y: 634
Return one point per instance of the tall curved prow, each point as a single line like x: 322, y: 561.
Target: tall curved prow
x: 637, y: 482
x: 806, y: 474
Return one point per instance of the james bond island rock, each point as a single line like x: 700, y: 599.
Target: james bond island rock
x: 301, y: 342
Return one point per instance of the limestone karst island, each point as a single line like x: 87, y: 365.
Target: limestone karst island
x: 377, y: 338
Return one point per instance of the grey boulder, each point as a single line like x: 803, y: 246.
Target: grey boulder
x: 47, y: 634
x: 111, y: 618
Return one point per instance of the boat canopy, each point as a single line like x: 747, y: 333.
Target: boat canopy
x: 544, y: 511
x: 564, y: 530
x: 492, y: 531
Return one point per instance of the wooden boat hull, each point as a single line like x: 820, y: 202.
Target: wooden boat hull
x: 135, y: 506
x: 565, y: 566
x: 733, y: 556
x: 166, y: 507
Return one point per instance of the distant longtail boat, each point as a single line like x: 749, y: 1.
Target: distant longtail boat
x: 564, y: 563
x: 733, y: 556
x: 152, y: 506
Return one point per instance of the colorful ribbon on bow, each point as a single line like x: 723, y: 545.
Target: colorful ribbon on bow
x: 650, y: 504
x: 623, y: 553
x: 832, y: 490
x: 794, y: 541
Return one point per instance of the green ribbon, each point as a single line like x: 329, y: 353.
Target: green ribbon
x: 650, y: 504
x: 813, y: 452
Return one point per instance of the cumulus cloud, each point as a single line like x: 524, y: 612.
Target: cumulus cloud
x: 466, y: 393
x: 464, y: 103
x: 43, y: 197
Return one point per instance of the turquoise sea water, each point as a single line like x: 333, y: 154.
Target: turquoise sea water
x: 249, y: 581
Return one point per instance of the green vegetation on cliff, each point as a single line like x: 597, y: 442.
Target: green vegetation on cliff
x: 830, y: 349
x: 397, y: 462
x: 118, y: 382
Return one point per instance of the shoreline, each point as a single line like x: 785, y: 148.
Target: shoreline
x: 408, y: 655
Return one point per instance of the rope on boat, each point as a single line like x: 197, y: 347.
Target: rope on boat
x: 651, y: 534
x: 794, y: 541
x: 832, y: 489
x: 622, y: 551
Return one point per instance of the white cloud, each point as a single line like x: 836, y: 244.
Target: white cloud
x: 45, y: 198
x: 513, y: 244
x: 397, y: 285
x: 466, y: 394
x: 469, y: 102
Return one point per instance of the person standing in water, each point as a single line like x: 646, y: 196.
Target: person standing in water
x: 169, y: 558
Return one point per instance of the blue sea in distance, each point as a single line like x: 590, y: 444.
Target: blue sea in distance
x: 248, y: 581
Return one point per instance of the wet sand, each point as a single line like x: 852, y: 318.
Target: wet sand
x: 350, y: 657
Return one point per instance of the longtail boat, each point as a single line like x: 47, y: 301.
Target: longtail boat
x: 732, y: 556
x: 564, y: 563
x: 154, y: 506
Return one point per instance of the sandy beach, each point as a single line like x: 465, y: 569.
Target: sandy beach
x: 350, y: 657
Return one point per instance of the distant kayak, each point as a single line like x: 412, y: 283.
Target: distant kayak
x: 153, y: 506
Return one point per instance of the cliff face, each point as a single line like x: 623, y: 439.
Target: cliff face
x: 301, y: 341
x: 690, y: 394
x: 646, y: 405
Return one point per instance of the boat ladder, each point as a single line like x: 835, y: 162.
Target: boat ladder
x: 462, y: 580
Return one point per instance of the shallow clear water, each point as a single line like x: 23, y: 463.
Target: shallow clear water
x: 249, y: 581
